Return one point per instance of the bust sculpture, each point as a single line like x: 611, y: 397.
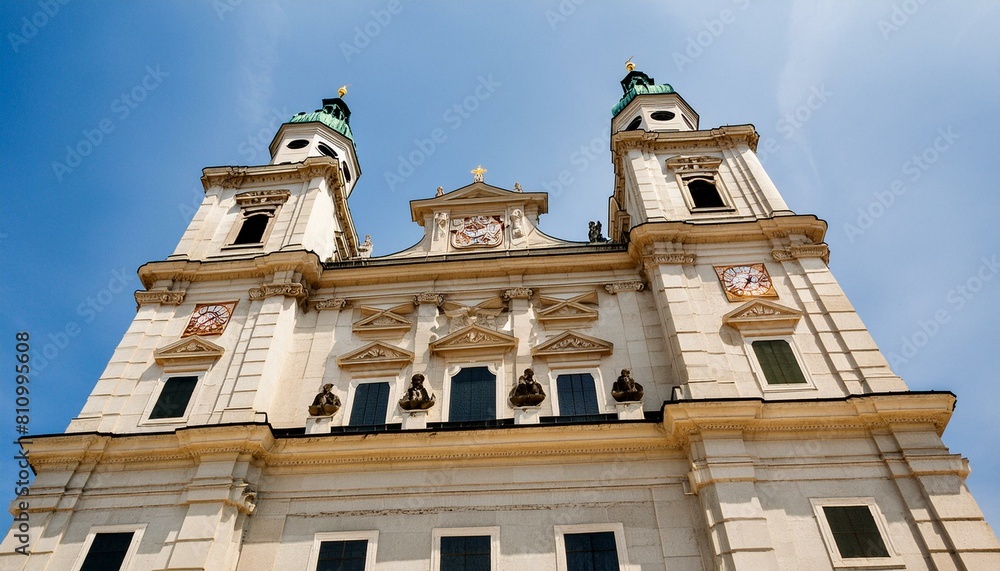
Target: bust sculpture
x: 416, y: 396
x: 326, y: 403
x: 527, y: 391
x: 625, y: 388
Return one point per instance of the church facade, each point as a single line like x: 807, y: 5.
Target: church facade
x: 693, y: 391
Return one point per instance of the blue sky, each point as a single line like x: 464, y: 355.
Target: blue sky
x: 880, y: 117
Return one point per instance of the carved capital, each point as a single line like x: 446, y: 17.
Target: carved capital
x: 821, y: 251
x: 428, y: 297
x: 337, y: 303
x: 273, y: 290
x: 618, y: 287
x: 782, y: 255
x: 516, y: 293
x: 671, y: 258
x: 164, y: 297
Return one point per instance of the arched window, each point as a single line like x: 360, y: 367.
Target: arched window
x: 252, y: 230
x: 634, y: 124
x: 704, y: 194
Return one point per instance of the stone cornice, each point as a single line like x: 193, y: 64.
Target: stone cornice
x: 856, y: 412
x: 302, y: 262
x: 726, y: 137
x: 238, y: 177
x: 646, y: 235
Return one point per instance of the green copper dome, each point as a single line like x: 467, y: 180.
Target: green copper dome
x: 334, y: 115
x: 638, y: 83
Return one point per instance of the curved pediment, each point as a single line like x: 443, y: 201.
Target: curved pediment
x: 760, y: 317
x: 473, y: 339
x: 190, y: 353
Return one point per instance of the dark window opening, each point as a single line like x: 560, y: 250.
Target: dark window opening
x: 371, y: 401
x: 347, y: 172
x: 634, y: 124
x: 342, y: 555
x: 465, y: 553
x: 174, y: 397
x: 704, y: 194
x: 591, y: 551
x: 661, y: 115
x: 778, y: 362
x: 855, y: 532
x: 577, y: 395
x: 473, y: 395
x: 326, y: 150
x: 107, y: 551
x: 252, y: 231
x: 297, y: 144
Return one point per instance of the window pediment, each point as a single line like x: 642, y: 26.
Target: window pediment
x: 759, y: 317
x: 191, y: 353
x: 381, y: 323
x: 563, y: 313
x: 473, y: 339
x: 573, y: 344
x: 376, y: 355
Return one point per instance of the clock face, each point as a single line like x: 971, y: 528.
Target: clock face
x: 745, y: 281
x: 209, y: 318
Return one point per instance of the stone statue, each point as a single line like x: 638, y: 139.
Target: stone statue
x: 365, y: 248
x: 527, y: 391
x: 416, y: 396
x: 326, y: 403
x: 625, y: 388
x: 594, y: 234
x: 517, y: 187
x: 516, y: 218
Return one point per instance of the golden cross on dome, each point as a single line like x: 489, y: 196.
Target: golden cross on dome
x: 477, y: 173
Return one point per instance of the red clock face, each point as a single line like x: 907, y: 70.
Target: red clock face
x: 209, y: 319
x: 745, y: 281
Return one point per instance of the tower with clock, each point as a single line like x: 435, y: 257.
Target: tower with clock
x: 694, y: 392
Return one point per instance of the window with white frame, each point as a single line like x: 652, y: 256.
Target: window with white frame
x: 777, y: 363
x: 855, y: 533
x: 172, y: 399
x: 701, y: 185
x: 344, y: 551
x: 109, y: 548
x: 258, y: 211
x: 472, y: 394
x: 465, y: 549
x: 591, y: 547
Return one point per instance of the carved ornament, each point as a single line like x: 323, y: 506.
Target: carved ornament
x: 563, y: 313
x: 273, y: 290
x: 262, y: 197
x: 428, y: 297
x: 191, y: 353
x: 337, y: 303
x: 382, y: 323
x: 618, y: 287
x: 821, y: 251
x: 516, y: 293
x: 473, y: 339
x: 761, y: 317
x: 376, y: 355
x: 164, y: 297
x: 574, y: 344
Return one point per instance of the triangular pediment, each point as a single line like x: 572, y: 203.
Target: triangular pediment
x: 376, y: 355
x: 191, y: 352
x: 473, y: 339
x: 760, y: 317
x: 481, y: 197
x: 571, y: 343
x: 568, y: 312
x: 381, y: 322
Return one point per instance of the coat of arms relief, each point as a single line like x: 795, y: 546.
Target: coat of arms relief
x: 477, y: 231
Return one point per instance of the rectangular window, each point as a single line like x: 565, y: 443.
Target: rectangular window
x: 778, y: 363
x: 174, y: 397
x: 855, y: 532
x: 594, y: 551
x: 107, y: 551
x: 342, y: 555
x: 577, y: 395
x: 473, y: 395
x: 465, y: 553
x: 371, y: 402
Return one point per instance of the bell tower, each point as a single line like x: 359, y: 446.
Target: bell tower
x: 296, y: 202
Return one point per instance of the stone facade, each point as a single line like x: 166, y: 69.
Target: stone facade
x: 719, y: 466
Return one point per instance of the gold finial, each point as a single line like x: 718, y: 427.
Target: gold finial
x: 629, y: 65
x: 342, y: 91
x: 477, y: 173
